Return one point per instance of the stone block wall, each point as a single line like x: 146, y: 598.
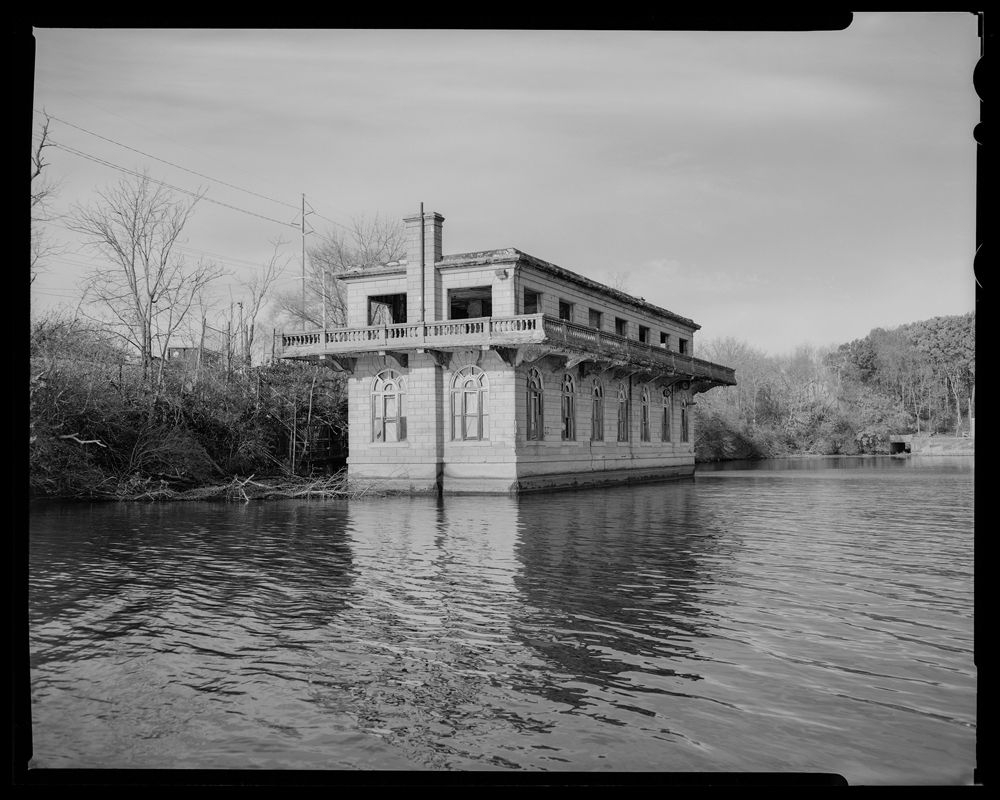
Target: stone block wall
x: 553, y: 455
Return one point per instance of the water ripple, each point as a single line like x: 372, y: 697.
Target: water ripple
x: 796, y: 618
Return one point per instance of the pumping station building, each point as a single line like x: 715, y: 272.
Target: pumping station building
x: 497, y: 372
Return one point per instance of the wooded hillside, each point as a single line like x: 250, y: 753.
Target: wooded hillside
x: 917, y: 378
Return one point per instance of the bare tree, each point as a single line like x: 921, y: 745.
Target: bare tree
x: 258, y: 289
x: 42, y: 191
x: 365, y: 242
x: 243, y: 321
x: 145, y: 289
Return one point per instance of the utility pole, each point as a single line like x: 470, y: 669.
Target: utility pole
x: 303, y: 261
x: 242, y: 335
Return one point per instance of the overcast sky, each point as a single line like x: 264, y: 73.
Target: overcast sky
x: 782, y: 188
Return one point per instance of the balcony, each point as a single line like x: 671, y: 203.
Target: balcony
x: 538, y: 331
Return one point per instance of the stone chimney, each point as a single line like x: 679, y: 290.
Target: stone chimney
x: 423, y: 284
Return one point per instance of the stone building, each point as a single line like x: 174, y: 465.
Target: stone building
x: 495, y: 371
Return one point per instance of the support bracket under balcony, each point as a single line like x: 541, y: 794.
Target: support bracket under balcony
x: 507, y: 354
x: 671, y: 382
x: 528, y: 354
x: 402, y: 359
x: 704, y: 386
x: 441, y: 358
x: 344, y: 364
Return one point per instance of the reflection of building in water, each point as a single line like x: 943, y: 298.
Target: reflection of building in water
x: 495, y: 371
x: 613, y: 582
x: 425, y: 651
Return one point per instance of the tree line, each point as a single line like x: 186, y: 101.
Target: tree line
x: 918, y: 378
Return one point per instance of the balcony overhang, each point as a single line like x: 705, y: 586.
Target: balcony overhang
x: 517, y: 340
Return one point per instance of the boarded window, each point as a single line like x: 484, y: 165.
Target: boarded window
x: 568, y: 409
x: 535, y: 422
x: 388, y: 415
x: 623, y: 412
x: 469, y: 405
x: 668, y: 415
x: 644, y: 416
x: 597, y: 412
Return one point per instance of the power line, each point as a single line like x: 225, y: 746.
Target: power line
x: 223, y: 259
x: 104, y: 162
x: 169, y: 163
x: 98, y: 160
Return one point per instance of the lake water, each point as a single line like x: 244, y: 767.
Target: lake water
x: 804, y: 615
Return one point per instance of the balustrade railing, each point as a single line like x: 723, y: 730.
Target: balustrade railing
x: 525, y: 329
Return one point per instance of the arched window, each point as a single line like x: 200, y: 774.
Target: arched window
x: 388, y: 415
x: 535, y: 395
x: 469, y: 405
x: 568, y: 408
x: 623, y: 412
x: 668, y: 415
x: 644, y: 415
x: 597, y: 412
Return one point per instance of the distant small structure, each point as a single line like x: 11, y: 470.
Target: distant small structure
x: 192, y: 356
x: 931, y: 445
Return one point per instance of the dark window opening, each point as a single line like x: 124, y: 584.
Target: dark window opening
x: 623, y: 412
x: 665, y: 340
x: 621, y: 327
x: 387, y: 309
x: 471, y: 303
x: 536, y: 413
x: 532, y: 301
x: 644, y: 334
x: 594, y: 317
x: 682, y: 345
x: 565, y: 310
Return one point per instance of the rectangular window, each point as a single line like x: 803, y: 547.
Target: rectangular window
x: 387, y: 309
x: 665, y: 340
x: 532, y: 302
x: 471, y: 303
x: 684, y: 425
x: 644, y: 334
x: 621, y: 326
x: 668, y: 407
x: 682, y: 346
x: 644, y: 422
x: 594, y: 318
x: 565, y: 310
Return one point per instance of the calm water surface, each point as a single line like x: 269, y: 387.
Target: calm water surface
x: 811, y: 615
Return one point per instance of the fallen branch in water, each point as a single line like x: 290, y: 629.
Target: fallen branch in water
x: 78, y: 440
x: 246, y: 489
